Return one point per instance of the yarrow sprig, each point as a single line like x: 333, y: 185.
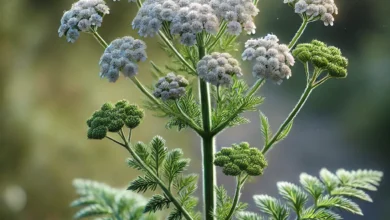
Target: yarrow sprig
x: 201, y: 37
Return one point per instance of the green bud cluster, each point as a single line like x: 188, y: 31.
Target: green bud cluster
x: 112, y: 118
x: 323, y: 57
x: 241, y: 158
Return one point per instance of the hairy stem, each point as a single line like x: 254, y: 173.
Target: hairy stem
x: 208, y: 146
x: 299, y: 33
x: 237, y: 194
x: 159, y: 181
x: 101, y: 41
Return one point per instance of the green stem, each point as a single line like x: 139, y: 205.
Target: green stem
x: 219, y: 35
x: 309, y: 88
x: 190, y: 120
x: 237, y: 194
x: 174, y: 50
x: 101, y: 41
x: 299, y: 33
x: 158, y: 180
x: 208, y: 146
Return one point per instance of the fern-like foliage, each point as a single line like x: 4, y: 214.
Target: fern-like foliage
x: 170, y: 110
x: 225, y: 202
x: 231, y: 103
x: 164, y: 168
x: 330, y: 192
x: 100, y: 201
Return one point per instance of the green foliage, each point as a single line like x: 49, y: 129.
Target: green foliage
x: 99, y: 201
x: 169, y: 109
x: 240, y: 159
x: 225, y: 203
x: 164, y: 168
x: 329, y: 193
x: 112, y: 118
x: 323, y: 57
x: 231, y: 103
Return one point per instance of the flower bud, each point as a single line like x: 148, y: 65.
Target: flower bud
x: 323, y: 57
x: 241, y: 158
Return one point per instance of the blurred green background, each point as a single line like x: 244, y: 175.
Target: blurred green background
x: 48, y: 88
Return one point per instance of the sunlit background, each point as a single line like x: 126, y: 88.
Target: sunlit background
x: 48, y: 88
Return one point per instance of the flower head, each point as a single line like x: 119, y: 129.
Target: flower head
x: 271, y: 59
x: 323, y: 57
x: 193, y: 19
x: 315, y: 9
x: 111, y: 118
x: 170, y: 87
x: 84, y: 16
x: 122, y: 55
x: 152, y: 14
x: 238, y: 13
x: 218, y: 69
x: 240, y: 158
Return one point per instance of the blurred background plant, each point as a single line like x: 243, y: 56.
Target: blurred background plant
x: 49, y: 88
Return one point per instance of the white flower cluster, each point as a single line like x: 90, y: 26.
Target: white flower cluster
x: 193, y: 19
x: 122, y: 55
x: 238, y: 13
x: 324, y: 9
x: 218, y: 68
x: 272, y: 60
x: 83, y: 16
x: 170, y: 87
x: 186, y: 18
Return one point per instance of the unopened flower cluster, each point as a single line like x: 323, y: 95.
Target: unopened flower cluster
x: 272, y: 60
x: 193, y: 19
x: 111, y: 118
x: 218, y: 69
x: 83, y: 16
x: 323, y: 57
x: 323, y: 9
x: 170, y: 87
x: 238, y: 13
x: 122, y: 55
x: 241, y: 158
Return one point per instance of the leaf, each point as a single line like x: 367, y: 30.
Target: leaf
x: 225, y: 202
x: 92, y: 210
x: 351, y: 192
x: 156, y: 203
x: 101, y: 201
x: 142, y: 184
x: 174, y: 165
x: 248, y: 216
x: 158, y: 153
x: 142, y: 151
x: 312, y: 185
x: 319, y: 214
x: 272, y: 207
x: 329, y: 179
x: 284, y: 132
x: 363, y: 179
x: 293, y: 194
x: 265, y: 128
x: 339, y: 202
